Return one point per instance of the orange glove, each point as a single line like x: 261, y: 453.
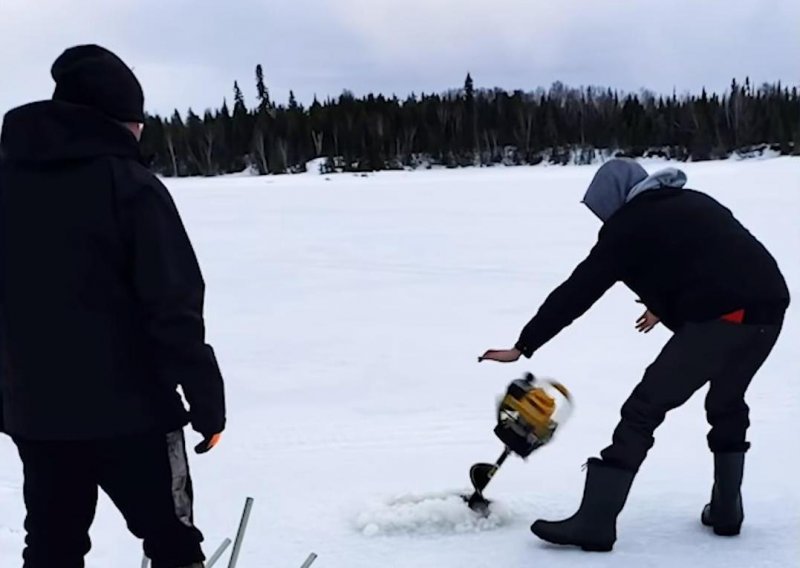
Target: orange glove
x: 208, y: 443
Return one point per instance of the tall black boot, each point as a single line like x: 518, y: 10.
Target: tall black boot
x: 594, y: 526
x: 725, y: 512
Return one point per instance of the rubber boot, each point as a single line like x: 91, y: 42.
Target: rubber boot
x: 725, y: 512
x: 594, y: 526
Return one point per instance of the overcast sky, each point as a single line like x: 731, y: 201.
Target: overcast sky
x: 189, y: 52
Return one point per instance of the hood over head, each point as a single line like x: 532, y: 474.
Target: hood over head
x: 620, y: 180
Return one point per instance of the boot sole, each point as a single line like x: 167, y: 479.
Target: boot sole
x: 597, y: 547
x: 586, y: 547
x: 722, y: 530
x: 728, y: 531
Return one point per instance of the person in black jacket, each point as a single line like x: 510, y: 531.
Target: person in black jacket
x: 710, y: 281
x: 101, y: 320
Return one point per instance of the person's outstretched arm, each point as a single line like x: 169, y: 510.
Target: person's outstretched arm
x: 587, y: 284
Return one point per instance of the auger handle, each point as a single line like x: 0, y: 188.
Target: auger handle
x: 560, y: 388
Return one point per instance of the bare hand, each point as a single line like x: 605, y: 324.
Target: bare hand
x: 647, y: 322
x: 501, y: 355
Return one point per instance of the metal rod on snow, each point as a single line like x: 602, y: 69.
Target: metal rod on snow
x: 218, y: 553
x: 309, y: 561
x: 237, y: 545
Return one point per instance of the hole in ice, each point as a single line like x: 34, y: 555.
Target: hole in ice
x: 423, y: 514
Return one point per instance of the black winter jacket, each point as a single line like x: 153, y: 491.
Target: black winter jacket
x: 685, y: 256
x: 101, y: 296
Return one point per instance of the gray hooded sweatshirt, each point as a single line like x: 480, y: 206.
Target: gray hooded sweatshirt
x: 619, y: 180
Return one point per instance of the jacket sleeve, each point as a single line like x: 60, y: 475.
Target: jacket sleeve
x: 170, y: 288
x: 587, y: 283
x: 3, y: 357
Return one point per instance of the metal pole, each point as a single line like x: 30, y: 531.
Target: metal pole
x: 309, y: 561
x: 237, y: 545
x: 218, y: 553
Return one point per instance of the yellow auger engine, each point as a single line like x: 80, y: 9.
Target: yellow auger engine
x: 527, y: 417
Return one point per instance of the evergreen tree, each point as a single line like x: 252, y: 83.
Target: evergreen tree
x: 238, y: 98
x: 470, y: 117
x: 241, y: 126
x: 264, y: 103
x: 224, y: 122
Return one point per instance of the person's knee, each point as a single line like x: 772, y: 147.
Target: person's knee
x: 641, y: 414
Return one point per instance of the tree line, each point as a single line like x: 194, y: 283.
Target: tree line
x: 470, y: 127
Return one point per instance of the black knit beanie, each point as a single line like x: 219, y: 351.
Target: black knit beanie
x: 92, y: 76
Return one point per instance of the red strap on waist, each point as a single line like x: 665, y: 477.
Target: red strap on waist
x: 734, y: 317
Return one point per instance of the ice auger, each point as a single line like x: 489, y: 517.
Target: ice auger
x: 527, y: 417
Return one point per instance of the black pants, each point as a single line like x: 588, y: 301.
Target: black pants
x: 725, y: 354
x: 147, y: 478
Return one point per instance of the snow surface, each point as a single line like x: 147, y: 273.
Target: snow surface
x: 348, y: 313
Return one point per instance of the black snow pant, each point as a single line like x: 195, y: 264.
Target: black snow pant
x: 726, y: 355
x: 147, y: 478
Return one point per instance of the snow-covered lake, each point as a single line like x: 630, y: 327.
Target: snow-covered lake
x: 348, y: 313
